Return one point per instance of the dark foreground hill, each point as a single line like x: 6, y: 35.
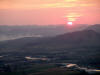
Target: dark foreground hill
x: 82, y: 47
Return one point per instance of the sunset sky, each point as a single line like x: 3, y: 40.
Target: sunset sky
x: 46, y: 12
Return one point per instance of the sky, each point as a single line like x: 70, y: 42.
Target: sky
x: 47, y: 12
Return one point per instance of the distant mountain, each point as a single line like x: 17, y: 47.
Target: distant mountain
x: 95, y: 28
x: 15, y: 32
x: 79, y: 36
x: 85, y: 37
x: 75, y: 47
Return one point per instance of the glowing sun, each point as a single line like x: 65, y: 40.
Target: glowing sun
x: 70, y: 23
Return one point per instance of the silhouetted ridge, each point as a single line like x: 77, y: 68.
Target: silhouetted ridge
x: 79, y: 36
x: 75, y: 47
x: 94, y: 27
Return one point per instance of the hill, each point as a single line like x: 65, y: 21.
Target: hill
x: 15, y: 32
x: 74, y: 47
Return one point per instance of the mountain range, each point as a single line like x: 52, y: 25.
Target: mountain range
x: 15, y: 32
x: 81, y: 47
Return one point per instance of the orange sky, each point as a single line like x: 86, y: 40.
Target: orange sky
x: 44, y: 12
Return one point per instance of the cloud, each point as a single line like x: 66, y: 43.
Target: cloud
x: 35, y: 4
x: 73, y: 16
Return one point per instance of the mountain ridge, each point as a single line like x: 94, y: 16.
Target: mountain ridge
x: 72, y: 47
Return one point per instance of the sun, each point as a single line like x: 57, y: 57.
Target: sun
x: 70, y: 23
